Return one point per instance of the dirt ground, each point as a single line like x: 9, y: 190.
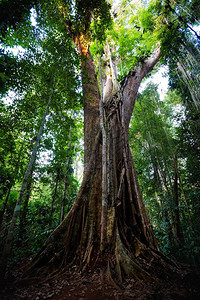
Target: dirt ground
x: 74, y: 286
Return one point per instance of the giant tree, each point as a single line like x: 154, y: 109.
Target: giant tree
x: 108, y: 222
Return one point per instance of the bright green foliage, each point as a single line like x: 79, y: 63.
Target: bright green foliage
x: 158, y: 132
x: 134, y: 34
x: 140, y: 27
x: 58, y: 59
x: 154, y: 134
x: 49, y: 57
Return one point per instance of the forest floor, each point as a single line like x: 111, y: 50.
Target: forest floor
x: 74, y: 286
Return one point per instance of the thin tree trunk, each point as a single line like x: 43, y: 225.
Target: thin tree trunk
x: 161, y: 184
x: 11, y: 184
x: 186, y: 203
x: 177, y: 229
x: 164, y: 209
x: 5, y: 205
x: 54, y: 193
x: 10, y: 235
x: 25, y: 206
x: 180, y: 18
x: 66, y: 184
x: 188, y: 81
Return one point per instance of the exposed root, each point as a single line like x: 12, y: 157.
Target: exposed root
x: 126, y: 262
x: 110, y: 279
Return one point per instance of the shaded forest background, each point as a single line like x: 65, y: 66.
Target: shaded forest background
x: 41, y: 81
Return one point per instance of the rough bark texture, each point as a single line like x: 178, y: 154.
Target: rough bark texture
x: 91, y: 99
x: 129, y: 234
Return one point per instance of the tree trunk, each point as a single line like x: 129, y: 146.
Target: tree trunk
x: 25, y: 206
x: 176, y: 224
x: 55, y: 192
x: 191, y: 52
x: 5, y: 205
x: 10, y: 235
x: 11, y: 184
x: 188, y: 81
x: 129, y: 233
x: 66, y: 184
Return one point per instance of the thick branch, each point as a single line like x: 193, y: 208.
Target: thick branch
x: 131, y: 83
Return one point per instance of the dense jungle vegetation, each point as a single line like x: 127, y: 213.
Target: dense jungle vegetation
x: 41, y: 115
